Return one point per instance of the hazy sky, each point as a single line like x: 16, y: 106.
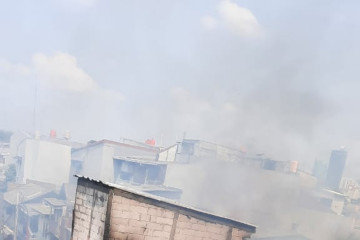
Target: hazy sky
x: 278, y: 77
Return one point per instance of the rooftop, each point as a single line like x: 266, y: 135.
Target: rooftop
x: 36, y: 209
x: 213, y: 144
x: 109, y: 142
x: 140, y: 160
x: 55, y: 202
x: 25, y: 192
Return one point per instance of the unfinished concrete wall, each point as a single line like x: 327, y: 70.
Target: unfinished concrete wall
x: 104, y: 212
x: 131, y: 219
x: 192, y: 228
x: 89, y: 212
x: 137, y: 220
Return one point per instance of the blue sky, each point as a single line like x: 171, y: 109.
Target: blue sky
x: 278, y: 77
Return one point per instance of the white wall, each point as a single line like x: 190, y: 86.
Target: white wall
x: 92, y: 158
x: 168, y: 155
x: 107, y: 170
x: 46, y: 161
x: 98, y: 160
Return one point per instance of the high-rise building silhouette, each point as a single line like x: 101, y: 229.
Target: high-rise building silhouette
x: 320, y: 170
x: 335, y: 169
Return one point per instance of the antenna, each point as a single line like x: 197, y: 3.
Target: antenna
x: 35, y: 103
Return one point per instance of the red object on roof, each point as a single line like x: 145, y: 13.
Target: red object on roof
x: 52, y: 133
x: 150, y: 142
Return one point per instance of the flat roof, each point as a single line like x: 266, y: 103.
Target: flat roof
x: 140, y: 160
x: 149, y: 187
x: 33, y: 209
x: 188, y: 140
x: 25, y: 192
x: 55, y: 202
x: 166, y: 203
x: 105, y: 141
x: 333, y: 192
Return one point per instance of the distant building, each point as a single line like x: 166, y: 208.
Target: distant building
x: 59, y: 213
x: 138, y: 171
x: 144, y: 175
x: 32, y: 221
x: 20, y: 206
x: 350, y: 188
x: 108, y: 211
x: 319, y: 171
x: 192, y: 150
x: 4, y: 153
x: 37, y: 211
x: 42, y: 158
x: 96, y: 158
x: 334, y: 201
x: 335, y: 169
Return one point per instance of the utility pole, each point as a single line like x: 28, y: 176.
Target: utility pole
x: 16, y: 215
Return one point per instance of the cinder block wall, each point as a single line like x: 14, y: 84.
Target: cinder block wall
x: 136, y: 220
x: 89, y: 212
x: 131, y: 219
x: 104, y: 213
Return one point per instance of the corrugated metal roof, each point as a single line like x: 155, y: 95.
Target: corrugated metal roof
x: 36, y: 209
x: 55, y: 202
x: 25, y: 193
x: 249, y: 227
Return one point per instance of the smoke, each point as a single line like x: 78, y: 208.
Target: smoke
x: 61, y: 71
x: 238, y: 19
x: 277, y: 203
x: 54, y: 90
x: 271, y: 77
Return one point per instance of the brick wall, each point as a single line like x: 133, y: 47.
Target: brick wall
x: 89, y: 213
x: 191, y: 228
x: 102, y: 212
x: 136, y: 220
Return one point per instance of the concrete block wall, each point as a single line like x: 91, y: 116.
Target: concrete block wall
x: 89, y: 213
x: 191, y: 228
x: 103, y: 212
x: 237, y: 234
x: 136, y: 220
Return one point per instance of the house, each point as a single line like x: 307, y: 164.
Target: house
x: 96, y: 158
x: 33, y: 221
x: 4, y: 153
x: 139, y: 171
x: 145, y: 175
x: 39, y: 157
x: 24, y: 200
x: 109, y: 211
x: 57, y: 212
x: 37, y: 210
x: 192, y: 150
x: 333, y: 200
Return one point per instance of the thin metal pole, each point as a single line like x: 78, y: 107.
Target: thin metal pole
x: 16, y: 215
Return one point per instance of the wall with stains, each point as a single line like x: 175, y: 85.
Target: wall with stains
x: 89, y: 212
x: 103, y: 212
x: 134, y: 219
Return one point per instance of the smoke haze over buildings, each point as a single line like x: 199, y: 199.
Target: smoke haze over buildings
x: 278, y: 78
x: 274, y: 77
